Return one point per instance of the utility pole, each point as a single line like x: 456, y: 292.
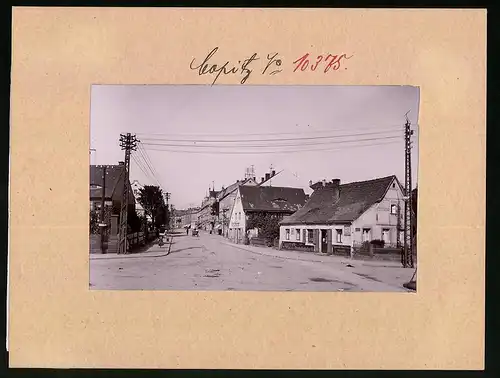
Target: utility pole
x: 407, y: 258
x: 103, y: 223
x: 128, y: 142
x: 167, y: 215
x: 398, y: 226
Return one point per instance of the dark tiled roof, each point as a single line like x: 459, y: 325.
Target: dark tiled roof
x: 231, y: 188
x: 272, y: 199
x: 114, y: 182
x: 355, y: 198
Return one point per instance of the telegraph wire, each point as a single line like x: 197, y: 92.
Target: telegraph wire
x: 150, y: 164
x: 267, y: 152
x: 148, y: 167
x: 141, y: 166
x: 153, y: 168
x: 264, y: 140
x: 388, y: 127
x: 273, y: 146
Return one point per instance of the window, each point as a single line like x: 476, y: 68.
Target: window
x: 297, y: 237
x: 339, y: 236
x: 310, y: 236
x: 366, y: 234
x: 287, y: 234
x: 393, y: 185
x: 394, y: 209
x: 385, y: 235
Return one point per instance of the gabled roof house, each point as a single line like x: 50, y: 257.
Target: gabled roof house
x: 279, y: 201
x: 347, y: 214
x: 113, y: 192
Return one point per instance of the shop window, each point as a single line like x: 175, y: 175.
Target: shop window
x: 339, y: 236
x: 310, y: 236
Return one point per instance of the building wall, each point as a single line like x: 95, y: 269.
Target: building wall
x: 296, y: 234
x: 237, y: 221
x: 381, y: 217
x: 225, y: 207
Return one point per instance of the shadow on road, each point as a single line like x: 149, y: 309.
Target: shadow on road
x: 183, y: 249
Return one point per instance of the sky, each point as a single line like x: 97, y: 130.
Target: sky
x: 193, y: 137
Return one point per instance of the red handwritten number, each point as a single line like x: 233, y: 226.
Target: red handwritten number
x: 302, y: 63
x: 332, y: 62
x: 318, y: 61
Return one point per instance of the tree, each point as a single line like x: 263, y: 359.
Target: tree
x: 215, y: 209
x: 162, y: 217
x: 266, y: 223
x: 152, y: 200
x: 134, y: 221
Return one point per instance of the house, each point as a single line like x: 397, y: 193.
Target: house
x: 206, y: 220
x: 226, y: 198
x: 261, y: 200
x: 136, y: 188
x: 186, y: 217
x: 113, y: 191
x: 285, y: 178
x: 340, y: 217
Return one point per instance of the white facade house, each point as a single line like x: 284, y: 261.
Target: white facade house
x: 341, y: 217
x: 136, y: 187
x: 258, y: 200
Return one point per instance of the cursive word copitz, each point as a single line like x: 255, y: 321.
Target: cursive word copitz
x: 209, y: 68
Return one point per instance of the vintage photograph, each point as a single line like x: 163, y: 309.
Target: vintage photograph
x: 253, y: 188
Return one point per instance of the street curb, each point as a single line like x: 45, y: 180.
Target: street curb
x: 353, y: 261
x: 270, y: 255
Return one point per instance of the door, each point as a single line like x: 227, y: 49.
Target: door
x: 324, y: 241
x: 385, y: 236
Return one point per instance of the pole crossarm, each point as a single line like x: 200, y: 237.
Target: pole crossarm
x: 128, y: 142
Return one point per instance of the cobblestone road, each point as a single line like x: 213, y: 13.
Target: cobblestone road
x: 210, y: 262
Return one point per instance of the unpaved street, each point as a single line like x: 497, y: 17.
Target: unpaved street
x: 210, y: 262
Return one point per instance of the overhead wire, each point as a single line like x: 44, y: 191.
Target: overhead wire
x: 265, y: 140
x: 141, y: 166
x: 266, y: 152
x: 148, y: 161
x: 388, y: 127
x: 144, y: 160
x: 271, y: 145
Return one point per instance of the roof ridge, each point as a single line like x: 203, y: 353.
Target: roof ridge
x: 371, y: 180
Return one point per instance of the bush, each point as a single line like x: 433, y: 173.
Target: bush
x: 266, y: 223
x: 94, y: 222
x: 378, y: 243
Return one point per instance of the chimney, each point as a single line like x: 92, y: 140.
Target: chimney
x: 267, y: 176
x: 335, y: 185
x: 273, y: 173
x: 254, y: 179
x: 262, y: 179
x: 121, y: 163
